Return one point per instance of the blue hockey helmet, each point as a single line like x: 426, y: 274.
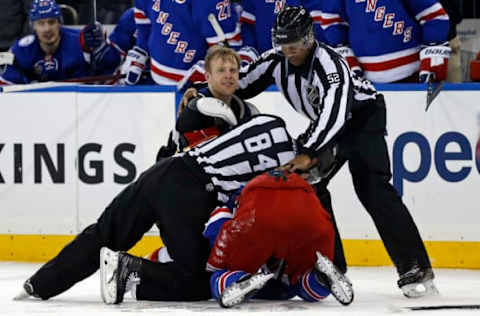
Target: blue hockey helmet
x: 42, y: 9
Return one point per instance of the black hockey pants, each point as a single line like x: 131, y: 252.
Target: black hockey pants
x: 169, y: 195
x: 363, y: 146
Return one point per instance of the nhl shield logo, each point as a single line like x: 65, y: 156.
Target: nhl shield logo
x: 313, y: 96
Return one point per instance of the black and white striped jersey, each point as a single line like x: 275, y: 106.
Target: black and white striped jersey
x: 232, y: 159
x: 323, y: 90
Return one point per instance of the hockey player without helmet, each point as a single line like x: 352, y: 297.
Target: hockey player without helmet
x: 292, y: 24
x: 43, y: 9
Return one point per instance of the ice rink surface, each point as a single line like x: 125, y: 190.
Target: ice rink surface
x: 375, y: 294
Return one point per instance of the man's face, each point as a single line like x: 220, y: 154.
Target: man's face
x: 296, y: 52
x: 47, y: 30
x: 223, y: 76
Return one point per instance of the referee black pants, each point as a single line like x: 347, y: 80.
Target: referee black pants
x: 363, y: 146
x: 169, y: 195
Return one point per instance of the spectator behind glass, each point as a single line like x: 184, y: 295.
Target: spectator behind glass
x: 455, y: 71
x: 397, y: 41
x: 13, y: 21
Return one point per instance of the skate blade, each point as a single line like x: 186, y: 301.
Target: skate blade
x: 108, y: 285
x: 23, y: 295
x: 416, y: 290
x: 239, y: 292
x: 340, y: 285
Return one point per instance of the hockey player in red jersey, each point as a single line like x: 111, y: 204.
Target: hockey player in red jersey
x: 278, y: 221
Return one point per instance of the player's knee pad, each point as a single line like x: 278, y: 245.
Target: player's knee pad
x: 310, y: 289
x: 222, y: 279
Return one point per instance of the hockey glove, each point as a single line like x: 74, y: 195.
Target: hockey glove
x: 348, y: 54
x: 134, y: 65
x: 92, y: 41
x: 248, y: 55
x: 194, y: 74
x: 434, y: 63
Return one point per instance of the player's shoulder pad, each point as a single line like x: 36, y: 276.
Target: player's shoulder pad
x: 216, y: 108
x: 26, y: 40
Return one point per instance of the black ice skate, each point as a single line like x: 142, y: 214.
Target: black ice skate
x: 417, y: 282
x: 338, y: 283
x: 243, y: 289
x: 27, y: 292
x: 119, y: 271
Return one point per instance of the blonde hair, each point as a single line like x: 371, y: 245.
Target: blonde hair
x: 221, y: 52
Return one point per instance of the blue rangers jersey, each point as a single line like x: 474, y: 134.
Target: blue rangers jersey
x: 258, y: 17
x: 124, y: 35
x: 31, y: 64
x: 386, y: 36
x: 177, y: 33
x: 121, y: 39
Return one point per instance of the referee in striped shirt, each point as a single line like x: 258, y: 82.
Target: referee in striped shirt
x: 346, y: 110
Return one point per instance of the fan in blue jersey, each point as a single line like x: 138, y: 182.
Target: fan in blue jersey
x: 258, y: 17
x: 51, y: 53
x: 390, y: 41
x: 175, y: 35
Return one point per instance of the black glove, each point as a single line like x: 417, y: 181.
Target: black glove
x: 92, y: 37
x: 168, y: 150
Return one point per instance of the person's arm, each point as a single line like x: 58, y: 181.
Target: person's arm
x: 435, y: 25
x: 333, y: 20
x: 248, y: 20
x: 258, y: 76
x: 332, y: 76
x: 138, y: 55
x: 218, y: 217
x: 14, y: 73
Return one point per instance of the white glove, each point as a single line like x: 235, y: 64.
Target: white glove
x: 248, y: 54
x: 134, y: 65
x: 434, y: 63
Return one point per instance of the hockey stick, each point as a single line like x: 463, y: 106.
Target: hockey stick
x: 223, y: 38
x: 67, y: 82
x: 92, y: 14
x: 432, y: 92
x: 440, y: 307
x: 218, y: 29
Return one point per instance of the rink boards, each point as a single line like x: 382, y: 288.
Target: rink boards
x: 65, y: 152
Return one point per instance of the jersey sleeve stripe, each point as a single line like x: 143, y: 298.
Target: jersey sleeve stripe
x: 247, y: 17
x: 140, y: 17
x: 435, y: 11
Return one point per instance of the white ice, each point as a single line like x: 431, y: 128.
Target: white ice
x: 375, y: 294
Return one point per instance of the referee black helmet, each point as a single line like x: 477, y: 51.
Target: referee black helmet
x: 291, y: 25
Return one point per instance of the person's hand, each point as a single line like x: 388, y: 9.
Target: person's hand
x: 134, y: 65
x: 301, y: 162
x: 434, y: 63
x: 190, y: 93
x: 92, y: 37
